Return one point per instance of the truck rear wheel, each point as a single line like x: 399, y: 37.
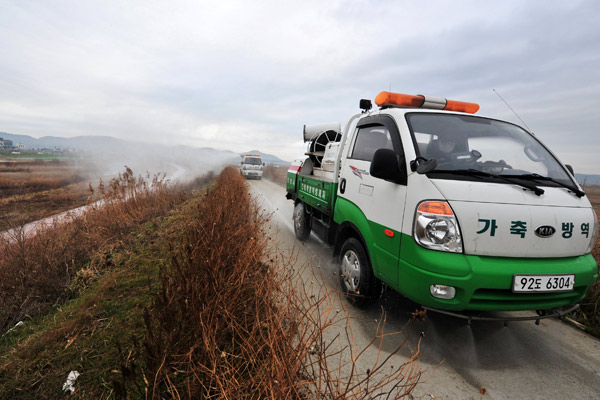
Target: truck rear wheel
x: 356, y: 275
x: 301, y: 222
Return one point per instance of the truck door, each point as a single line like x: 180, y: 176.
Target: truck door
x: 376, y: 206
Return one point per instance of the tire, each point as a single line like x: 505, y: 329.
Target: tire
x: 301, y: 222
x: 356, y: 274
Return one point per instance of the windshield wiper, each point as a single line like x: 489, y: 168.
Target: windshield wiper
x: 508, y: 179
x: 538, y: 177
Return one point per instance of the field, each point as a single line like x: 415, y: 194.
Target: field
x: 31, y: 189
x: 589, y: 315
x: 33, y: 155
x: 593, y: 194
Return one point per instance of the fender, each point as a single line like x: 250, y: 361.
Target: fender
x: 352, y: 222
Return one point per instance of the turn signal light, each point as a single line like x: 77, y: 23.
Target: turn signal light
x: 435, y: 207
x: 420, y: 101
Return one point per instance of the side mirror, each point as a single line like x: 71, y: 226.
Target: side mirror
x: 571, y: 170
x: 387, y: 165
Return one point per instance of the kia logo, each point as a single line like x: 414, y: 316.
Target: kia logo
x: 545, y: 231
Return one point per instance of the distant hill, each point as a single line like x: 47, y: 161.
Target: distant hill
x: 109, y: 144
x: 113, y: 154
x: 588, y: 180
x: 53, y: 142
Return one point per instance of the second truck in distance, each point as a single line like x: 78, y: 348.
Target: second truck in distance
x: 251, y: 166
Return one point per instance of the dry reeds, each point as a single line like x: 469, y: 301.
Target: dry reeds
x: 229, y: 323
x: 589, y: 312
x: 230, y: 320
x: 35, y: 269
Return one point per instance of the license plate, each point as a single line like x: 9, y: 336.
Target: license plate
x: 543, y: 283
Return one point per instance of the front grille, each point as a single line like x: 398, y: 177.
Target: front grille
x: 483, y: 297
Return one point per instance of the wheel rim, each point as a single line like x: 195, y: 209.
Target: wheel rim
x: 351, y: 271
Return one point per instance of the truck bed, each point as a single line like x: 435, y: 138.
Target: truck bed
x: 317, y: 192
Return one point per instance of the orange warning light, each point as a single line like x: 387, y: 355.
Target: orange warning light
x: 420, y: 101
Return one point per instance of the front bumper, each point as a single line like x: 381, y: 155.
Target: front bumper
x: 484, y: 283
x: 252, y: 173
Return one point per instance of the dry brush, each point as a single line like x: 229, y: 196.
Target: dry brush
x: 36, y: 270
x: 231, y: 323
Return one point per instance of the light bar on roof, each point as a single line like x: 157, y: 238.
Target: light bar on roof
x: 419, y: 101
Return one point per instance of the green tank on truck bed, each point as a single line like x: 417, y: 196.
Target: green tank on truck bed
x: 454, y: 211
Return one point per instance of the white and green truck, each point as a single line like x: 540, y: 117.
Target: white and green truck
x: 454, y: 211
x: 251, y: 166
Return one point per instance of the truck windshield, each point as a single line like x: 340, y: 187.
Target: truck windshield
x: 252, y: 161
x: 468, y: 143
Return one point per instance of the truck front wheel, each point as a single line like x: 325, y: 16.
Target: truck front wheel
x: 301, y: 222
x: 356, y: 275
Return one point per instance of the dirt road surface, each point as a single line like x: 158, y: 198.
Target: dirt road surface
x: 483, y: 361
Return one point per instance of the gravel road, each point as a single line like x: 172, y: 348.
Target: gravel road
x: 485, y: 360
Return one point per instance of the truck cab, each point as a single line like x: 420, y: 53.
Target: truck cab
x: 454, y: 211
x: 251, y: 166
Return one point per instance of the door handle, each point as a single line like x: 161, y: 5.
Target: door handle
x: 343, y: 185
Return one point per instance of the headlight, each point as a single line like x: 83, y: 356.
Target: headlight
x: 594, y: 233
x: 436, y: 227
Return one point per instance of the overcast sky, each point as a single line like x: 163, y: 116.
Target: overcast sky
x: 242, y: 75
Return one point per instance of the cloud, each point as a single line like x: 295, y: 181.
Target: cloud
x: 239, y: 75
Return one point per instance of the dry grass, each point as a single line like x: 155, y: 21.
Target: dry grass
x: 229, y: 324
x: 33, y: 189
x: 228, y: 320
x: 36, y: 270
x: 589, y: 313
x: 20, y: 177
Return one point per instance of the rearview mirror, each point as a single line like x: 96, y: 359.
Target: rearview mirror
x: 530, y: 151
